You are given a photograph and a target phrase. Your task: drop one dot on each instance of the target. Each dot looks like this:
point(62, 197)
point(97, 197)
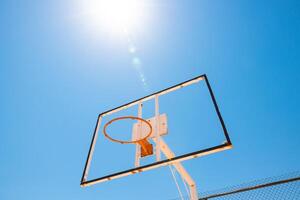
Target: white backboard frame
point(201, 152)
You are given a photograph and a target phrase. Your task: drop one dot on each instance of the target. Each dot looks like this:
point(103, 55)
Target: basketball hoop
point(146, 147)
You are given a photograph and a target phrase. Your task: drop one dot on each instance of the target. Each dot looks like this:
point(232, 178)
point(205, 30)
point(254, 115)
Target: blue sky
point(58, 73)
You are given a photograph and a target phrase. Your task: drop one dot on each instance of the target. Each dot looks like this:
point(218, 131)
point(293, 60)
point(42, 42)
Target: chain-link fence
point(284, 187)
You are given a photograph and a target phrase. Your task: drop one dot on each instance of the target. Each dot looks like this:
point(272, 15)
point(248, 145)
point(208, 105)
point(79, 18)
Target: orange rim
point(124, 141)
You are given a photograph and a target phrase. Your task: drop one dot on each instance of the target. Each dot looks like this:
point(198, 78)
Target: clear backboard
point(164, 128)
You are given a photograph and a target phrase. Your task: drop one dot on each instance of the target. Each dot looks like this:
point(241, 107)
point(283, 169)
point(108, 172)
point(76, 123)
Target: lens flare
point(118, 17)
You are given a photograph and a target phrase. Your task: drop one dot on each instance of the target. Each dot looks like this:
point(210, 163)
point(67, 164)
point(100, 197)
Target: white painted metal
point(157, 129)
point(92, 149)
point(163, 147)
point(153, 96)
point(181, 170)
point(137, 134)
point(163, 127)
point(159, 165)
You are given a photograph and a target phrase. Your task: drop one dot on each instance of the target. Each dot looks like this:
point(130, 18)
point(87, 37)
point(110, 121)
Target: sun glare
point(115, 15)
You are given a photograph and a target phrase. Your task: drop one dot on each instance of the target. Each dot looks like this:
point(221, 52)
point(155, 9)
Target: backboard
point(164, 128)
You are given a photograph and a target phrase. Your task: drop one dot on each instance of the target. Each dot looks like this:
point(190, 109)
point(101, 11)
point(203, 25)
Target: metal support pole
point(91, 150)
point(139, 131)
point(157, 128)
point(181, 170)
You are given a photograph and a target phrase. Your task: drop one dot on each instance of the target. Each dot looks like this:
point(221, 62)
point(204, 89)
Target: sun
point(115, 15)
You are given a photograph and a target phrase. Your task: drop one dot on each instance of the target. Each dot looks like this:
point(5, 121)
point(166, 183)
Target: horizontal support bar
point(151, 96)
point(181, 158)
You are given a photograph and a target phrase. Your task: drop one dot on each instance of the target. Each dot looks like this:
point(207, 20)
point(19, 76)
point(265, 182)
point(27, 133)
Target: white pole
point(181, 170)
point(92, 149)
point(157, 128)
point(139, 131)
